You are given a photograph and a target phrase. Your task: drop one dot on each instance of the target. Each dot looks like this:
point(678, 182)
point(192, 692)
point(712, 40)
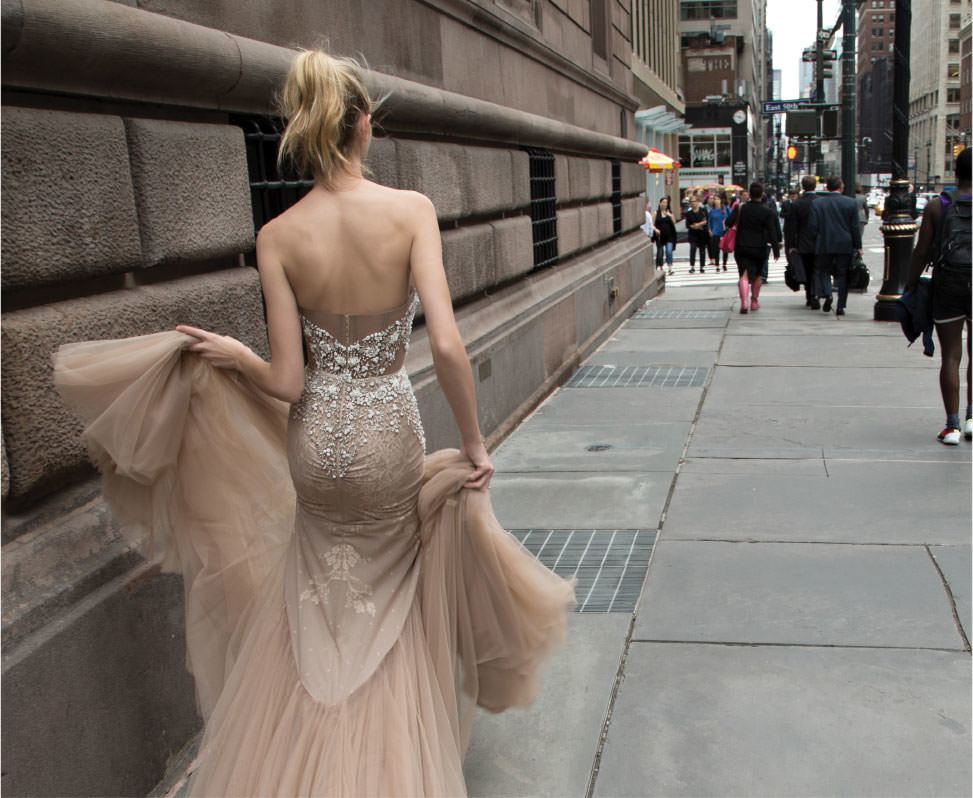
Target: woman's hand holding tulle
point(222, 351)
point(476, 453)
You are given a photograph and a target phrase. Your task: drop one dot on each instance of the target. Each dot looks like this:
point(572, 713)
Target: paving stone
point(634, 340)
point(576, 500)
point(615, 406)
point(655, 446)
point(511, 754)
point(798, 500)
point(795, 594)
point(832, 351)
point(956, 566)
point(697, 720)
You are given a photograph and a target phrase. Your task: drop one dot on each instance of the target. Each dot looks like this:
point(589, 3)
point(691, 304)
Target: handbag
point(858, 275)
point(729, 240)
point(794, 275)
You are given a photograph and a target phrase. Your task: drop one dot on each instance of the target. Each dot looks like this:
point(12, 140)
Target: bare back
point(348, 251)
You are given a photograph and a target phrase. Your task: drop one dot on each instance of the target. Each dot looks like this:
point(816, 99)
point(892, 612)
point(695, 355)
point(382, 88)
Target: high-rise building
point(934, 92)
point(876, 38)
point(724, 51)
point(657, 82)
point(966, 82)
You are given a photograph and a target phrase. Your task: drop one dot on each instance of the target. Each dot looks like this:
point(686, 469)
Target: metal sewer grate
point(694, 315)
point(609, 564)
point(638, 377)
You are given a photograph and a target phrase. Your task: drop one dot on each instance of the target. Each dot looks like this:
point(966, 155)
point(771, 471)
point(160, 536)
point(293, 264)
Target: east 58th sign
point(783, 106)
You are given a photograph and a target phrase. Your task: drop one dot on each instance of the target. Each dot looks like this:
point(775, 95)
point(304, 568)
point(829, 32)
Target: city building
point(934, 91)
point(876, 40)
point(138, 162)
point(966, 82)
point(657, 72)
point(724, 51)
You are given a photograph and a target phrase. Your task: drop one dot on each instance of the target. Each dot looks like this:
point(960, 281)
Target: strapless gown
point(348, 603)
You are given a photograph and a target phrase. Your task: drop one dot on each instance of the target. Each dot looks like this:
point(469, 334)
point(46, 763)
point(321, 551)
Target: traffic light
point(791, 152)
point(957, 149)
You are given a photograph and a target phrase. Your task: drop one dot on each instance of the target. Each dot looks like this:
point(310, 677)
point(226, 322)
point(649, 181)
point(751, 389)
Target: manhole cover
point(609, 564)
point(598, 447)
point(638, 377)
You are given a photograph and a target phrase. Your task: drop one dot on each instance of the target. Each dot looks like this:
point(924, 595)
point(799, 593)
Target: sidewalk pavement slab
point(576, 500)
point(700, 720)
point(785, 325)
point(643, 447)
point(615, 406)
point(547, 749)
point(796, 594)
point(820, 501)
point(820, 350)
point(676, 324)
point(955, 562)
point(878, 388)
point(655, 341)
point(798, 431)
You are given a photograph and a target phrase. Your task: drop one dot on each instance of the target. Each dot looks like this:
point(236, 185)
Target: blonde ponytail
point(323, 100)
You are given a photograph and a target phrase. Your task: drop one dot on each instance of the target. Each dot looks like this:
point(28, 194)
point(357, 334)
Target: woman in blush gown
point(349, 601)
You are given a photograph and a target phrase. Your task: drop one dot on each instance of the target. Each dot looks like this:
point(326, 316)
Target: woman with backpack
point(944, 244)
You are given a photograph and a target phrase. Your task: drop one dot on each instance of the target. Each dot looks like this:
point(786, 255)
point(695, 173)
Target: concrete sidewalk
point(804, 622)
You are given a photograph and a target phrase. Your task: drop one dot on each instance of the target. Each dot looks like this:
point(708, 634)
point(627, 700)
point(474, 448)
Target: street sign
point(828, 55)
point(783, 106)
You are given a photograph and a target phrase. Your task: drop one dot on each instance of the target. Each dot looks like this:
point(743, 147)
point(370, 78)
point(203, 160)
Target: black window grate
point(543, 207)
point(270, 193)
point(607, 376)
point(616, 198)
point(688, 315)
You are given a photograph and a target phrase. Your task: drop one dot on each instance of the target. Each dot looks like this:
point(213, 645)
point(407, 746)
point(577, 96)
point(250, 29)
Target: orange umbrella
point(655, 161)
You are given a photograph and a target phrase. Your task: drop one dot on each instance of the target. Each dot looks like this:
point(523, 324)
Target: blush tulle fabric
point(348, 603)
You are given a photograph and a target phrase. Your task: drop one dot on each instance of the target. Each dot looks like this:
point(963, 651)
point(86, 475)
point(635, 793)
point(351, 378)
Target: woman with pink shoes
point(756, 230)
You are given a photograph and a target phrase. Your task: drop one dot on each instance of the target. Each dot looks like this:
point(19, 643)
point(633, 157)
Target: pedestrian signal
point(957, 149)
point(791, 152)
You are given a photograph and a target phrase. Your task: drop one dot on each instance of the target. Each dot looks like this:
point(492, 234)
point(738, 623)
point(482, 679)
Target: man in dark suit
point(834, 224)
point(797, 236)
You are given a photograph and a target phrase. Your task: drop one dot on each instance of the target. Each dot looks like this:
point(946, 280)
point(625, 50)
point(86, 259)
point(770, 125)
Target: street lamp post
point(898, 219)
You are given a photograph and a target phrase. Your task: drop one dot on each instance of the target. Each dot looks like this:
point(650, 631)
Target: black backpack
point(955, 251)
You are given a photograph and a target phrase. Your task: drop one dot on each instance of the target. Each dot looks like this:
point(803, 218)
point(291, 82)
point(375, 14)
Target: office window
point(952, 95)
point(952, 71)
point(954, 45)
point(879, 45)
point(954, 21)
point(706, 9)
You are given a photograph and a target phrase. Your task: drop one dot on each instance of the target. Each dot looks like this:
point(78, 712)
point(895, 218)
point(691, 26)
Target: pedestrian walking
point(838, 238)
point(798, 237)
point(697, 226)
point(716, 217)
point(757, 228)
point(944, 244)
point(862, 201)
point(665, 226)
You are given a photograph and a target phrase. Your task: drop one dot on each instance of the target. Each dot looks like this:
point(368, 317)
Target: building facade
point(724, 48)
point(876, 40)
point(138, 163)
point(934, 92)
point(966, 82)
point(657, 70)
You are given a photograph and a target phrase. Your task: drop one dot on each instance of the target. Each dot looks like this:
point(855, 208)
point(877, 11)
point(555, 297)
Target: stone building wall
point(131, 174)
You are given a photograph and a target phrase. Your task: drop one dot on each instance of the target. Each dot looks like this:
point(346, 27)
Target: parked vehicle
point(923, 199)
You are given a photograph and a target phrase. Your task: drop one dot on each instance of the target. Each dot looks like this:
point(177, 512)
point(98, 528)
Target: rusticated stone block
point(383, 162)
point(5, 472)
point(633, 213)
point(606, 228)
point(513, 246)
point(192, 189)
point(42, 437)
point(520, 167)
point(488, 180)
point(562, 179)
point(590, 178)
point(568, 231)
point(470, 259)
point(590, 226)
point(68, 208)
point(435, 169)
point(633, 178)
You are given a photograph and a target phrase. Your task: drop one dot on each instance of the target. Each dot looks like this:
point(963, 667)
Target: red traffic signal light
point(791, 152)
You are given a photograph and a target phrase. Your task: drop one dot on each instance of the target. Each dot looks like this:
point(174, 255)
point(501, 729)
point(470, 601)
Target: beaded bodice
point(355, 386)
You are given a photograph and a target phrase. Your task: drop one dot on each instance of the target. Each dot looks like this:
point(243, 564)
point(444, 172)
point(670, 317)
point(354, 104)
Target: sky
point(793, 23)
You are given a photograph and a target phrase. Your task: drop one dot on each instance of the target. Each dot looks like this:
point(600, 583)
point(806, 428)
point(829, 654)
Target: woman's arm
point(921, 255)
point(448, 351)
point(283, 376)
